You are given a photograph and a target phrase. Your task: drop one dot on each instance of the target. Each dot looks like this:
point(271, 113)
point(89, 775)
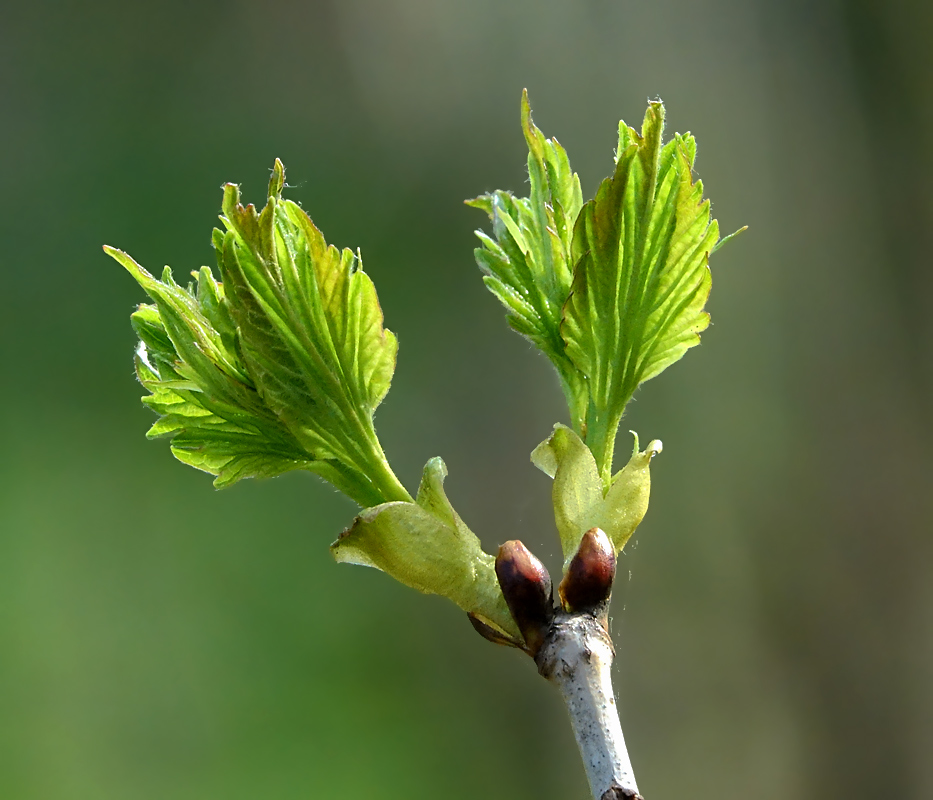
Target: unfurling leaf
point(641, 278)
point(256, 448)
point(620, 298)
point(199, 387)
point(577, 493)
point(279, 367)
point(427, 546)
point(528, 265)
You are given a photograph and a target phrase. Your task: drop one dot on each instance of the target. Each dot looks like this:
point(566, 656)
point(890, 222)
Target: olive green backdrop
point(159, 639)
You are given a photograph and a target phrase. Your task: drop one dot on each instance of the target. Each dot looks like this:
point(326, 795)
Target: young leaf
point(641, 249)
point(281, 366)
point(249, 448)
point(528, 265)
point(310, 330)
point(427, 546)
point(577, 493)
point(619, 299)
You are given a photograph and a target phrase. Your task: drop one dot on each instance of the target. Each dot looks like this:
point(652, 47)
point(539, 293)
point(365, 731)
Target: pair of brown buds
point(526, 586)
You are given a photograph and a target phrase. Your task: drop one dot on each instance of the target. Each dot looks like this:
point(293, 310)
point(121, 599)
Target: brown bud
point(587, 585)
point(526, 586)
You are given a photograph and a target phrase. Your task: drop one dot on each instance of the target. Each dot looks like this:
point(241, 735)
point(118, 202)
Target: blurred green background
point(162, 640)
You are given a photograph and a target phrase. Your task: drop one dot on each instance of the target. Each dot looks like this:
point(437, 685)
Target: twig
point(577, 656)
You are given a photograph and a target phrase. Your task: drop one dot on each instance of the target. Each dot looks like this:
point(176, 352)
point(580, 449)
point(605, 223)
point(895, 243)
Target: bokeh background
point(159, 639)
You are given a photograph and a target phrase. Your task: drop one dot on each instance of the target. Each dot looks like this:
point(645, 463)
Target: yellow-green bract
point(577, 493)
point(427, 546)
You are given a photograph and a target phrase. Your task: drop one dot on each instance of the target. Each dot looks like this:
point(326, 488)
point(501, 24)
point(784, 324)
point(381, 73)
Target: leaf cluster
point(528, 265)
point(281, 365)
point(611, 291)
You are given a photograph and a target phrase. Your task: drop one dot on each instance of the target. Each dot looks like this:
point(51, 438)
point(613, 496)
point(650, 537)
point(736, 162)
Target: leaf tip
point(532, 134)
point(277, 180)
point(231, 199)
point(728, 238)
point(343, 549)
point(544, 456)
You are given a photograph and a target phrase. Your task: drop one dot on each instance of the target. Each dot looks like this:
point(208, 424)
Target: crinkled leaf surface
point(641, 250)
point(247, 448)
point(427, 546)
point(280, 366)
point(611, 291)
point(199, 387)
point(577, 492)
point(528, 263)
point(310, 330)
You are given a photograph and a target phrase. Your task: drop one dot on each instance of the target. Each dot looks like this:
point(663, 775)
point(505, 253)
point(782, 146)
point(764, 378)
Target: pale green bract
point(625, 300)
point(427, 546)
point(580, 503)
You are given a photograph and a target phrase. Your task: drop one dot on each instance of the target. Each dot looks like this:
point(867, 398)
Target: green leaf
point(641, 280)
point(528, 265)
point(311, 331)
point(426, 546)
point(577, 493)
point(611, 291)
point(207, 404)
point(279, 367)
point(248, 448)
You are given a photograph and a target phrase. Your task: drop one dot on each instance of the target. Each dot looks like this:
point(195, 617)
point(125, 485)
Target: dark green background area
point(159, 639)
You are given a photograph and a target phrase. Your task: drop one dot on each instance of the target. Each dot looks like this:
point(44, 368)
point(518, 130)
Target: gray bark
point(577, 656)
